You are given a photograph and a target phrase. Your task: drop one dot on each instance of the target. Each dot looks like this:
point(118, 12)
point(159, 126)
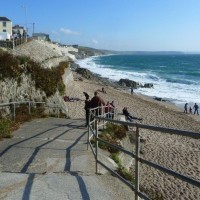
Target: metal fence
point(11, 44)
point(98, 119)
point(13, 106)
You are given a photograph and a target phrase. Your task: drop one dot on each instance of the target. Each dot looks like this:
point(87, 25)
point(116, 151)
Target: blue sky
point(137, 25)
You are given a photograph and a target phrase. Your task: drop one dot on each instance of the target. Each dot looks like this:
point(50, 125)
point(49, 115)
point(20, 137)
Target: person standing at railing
point(113, 109)
point(97, 101)
point(87, 111)
point(108, 110)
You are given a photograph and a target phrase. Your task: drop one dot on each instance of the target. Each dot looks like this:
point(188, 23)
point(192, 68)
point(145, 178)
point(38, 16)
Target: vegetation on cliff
point(48, 80)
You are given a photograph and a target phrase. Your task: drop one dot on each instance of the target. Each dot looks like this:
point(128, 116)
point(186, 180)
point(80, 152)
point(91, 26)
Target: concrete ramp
point(48, 159)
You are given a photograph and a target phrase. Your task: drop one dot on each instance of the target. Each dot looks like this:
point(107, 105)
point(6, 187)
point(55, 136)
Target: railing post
point(137, 164)
point(29, 107)
point(103, 114)
point(58, 112)
point(88, 137)
point(97, 144)
point(14, 114)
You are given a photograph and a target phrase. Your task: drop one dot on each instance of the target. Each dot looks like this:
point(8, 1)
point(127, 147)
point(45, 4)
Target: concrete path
point(48, 159)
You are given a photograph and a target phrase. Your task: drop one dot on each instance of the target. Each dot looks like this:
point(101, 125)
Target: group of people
point(97, 101)
point(195, 107)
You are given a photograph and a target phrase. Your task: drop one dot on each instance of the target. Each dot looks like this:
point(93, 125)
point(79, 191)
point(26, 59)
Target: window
point(4, 24)
point(4, 30)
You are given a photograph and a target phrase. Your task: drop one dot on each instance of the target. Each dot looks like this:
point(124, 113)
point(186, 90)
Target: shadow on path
point(37, 149)
point(27, 189)
point(68, 153)
point(12, 145)
point(82, 187)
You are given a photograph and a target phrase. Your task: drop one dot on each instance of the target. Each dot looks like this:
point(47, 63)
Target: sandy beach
point(181, 154)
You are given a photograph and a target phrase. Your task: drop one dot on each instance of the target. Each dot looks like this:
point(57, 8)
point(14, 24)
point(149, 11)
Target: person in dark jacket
point(97, 101)
point(128, 116)
point(186, 108)
point(196, 108)
point(87, 110)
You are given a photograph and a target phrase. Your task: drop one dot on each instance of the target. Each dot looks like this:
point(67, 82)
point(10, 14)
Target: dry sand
point(178, 153)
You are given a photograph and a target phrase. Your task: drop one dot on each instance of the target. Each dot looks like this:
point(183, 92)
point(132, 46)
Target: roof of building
point(4, 19)
point(18, 27)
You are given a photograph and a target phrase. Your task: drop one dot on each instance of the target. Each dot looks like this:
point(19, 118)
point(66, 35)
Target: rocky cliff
point(48, 55)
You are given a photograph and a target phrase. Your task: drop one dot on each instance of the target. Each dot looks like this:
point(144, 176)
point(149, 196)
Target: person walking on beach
point(131, 90)
point(185, 108)
point(196, 109)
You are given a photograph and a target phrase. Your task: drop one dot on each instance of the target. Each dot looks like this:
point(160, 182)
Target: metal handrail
point(136, 156)
point(14, 103)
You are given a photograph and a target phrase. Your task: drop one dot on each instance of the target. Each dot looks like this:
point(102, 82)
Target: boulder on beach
point(128, 83)
point(85, 73)
point(148, 85)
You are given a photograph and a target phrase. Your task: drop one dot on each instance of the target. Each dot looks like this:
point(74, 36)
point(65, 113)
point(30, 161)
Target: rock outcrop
point(128, 83)
point(48, 55)
point(134, 84)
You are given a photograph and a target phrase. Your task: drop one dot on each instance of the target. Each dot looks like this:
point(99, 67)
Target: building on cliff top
point(41, 36)
point(5, 28)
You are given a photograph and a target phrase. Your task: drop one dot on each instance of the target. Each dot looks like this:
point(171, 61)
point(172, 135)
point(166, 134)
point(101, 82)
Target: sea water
point(175, 77)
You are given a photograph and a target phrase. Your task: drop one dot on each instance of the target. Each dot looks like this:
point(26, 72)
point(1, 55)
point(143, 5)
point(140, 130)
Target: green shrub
point(118, 131)
point(115, 157)
point(5, 128)
point(47, 80)
point(112, 134)
point(23, 59)
point(9, 66)
point(122, 171)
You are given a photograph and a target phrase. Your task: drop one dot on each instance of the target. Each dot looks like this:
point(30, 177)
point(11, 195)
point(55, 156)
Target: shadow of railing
point(68, 152)
point(37, 149)
point(28, 187)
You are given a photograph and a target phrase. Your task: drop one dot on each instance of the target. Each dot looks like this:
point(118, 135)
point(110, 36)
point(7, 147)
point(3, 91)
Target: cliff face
point(48, 56)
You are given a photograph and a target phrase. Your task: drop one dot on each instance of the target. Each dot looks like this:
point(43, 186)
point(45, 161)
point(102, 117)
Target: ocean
point(176, 78)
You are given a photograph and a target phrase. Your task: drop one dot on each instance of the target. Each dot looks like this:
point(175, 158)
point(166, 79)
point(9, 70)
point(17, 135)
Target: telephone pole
point(26, 29)
point(33, 28)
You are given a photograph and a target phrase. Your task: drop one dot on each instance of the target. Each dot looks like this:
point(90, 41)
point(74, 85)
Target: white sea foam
point(175, 92)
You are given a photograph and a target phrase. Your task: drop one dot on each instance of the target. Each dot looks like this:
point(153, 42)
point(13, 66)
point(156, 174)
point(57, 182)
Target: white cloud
point(95, 41)
point(68, 31)
point(55, 32)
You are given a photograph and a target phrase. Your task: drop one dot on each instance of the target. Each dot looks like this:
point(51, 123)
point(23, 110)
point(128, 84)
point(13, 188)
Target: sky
point(122, 25)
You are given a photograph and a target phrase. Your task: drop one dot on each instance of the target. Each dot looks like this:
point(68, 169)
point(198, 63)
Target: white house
point(5, 25)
